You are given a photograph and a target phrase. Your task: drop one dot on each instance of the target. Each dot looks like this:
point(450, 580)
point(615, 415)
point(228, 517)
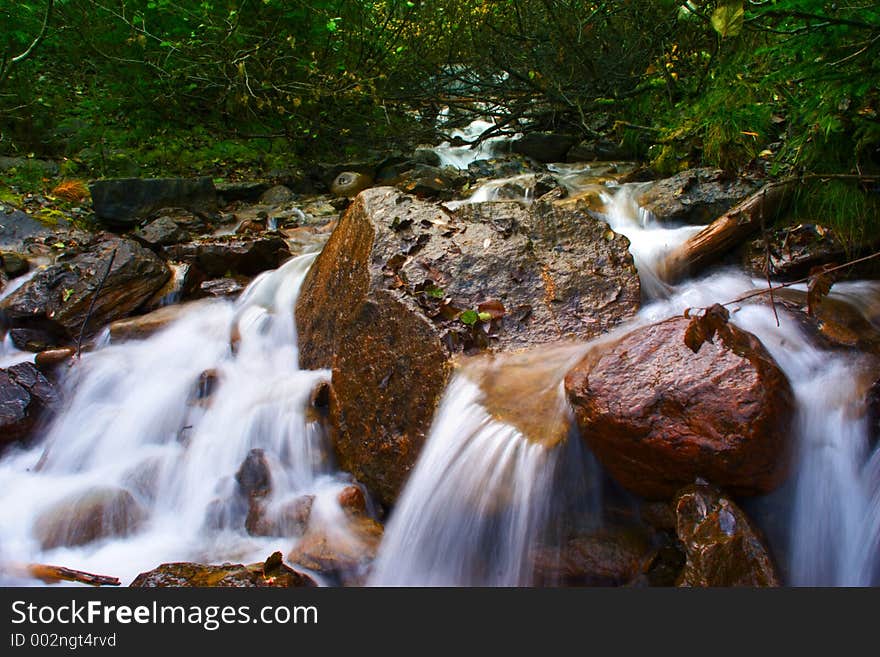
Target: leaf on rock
point(469, 317)
point(493, 308)
point(702, 328)
point(819, 287)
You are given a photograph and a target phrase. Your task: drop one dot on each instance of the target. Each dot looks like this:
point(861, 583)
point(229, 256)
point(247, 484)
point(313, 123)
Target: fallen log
point(55, 574)
point(727, 232)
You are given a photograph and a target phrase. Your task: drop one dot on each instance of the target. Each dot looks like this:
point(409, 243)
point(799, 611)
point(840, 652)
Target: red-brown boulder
point(657, 415)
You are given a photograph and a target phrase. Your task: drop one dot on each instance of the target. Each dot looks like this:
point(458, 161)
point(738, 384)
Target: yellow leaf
point(727, 19)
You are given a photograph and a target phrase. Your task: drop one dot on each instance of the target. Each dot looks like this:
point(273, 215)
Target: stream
point(134, 435)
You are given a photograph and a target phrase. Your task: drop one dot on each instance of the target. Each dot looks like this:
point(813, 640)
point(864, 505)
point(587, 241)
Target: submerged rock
point(25, 397)
point(657, 415)
point(341, 553)
point(403, 285)
point(606, 558)
point(57, 299)
point(272, 573)
point(124, 203)
point(695, 196)
point(98, 513)
point(722, 546)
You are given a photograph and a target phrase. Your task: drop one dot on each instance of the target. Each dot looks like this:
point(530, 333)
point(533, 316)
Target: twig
point(767, 258)
point(806, 279)
point(82, 329)
point(51, 574)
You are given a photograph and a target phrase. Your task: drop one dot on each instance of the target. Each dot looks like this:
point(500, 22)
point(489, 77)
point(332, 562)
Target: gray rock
point(695, 196)
point(124, 202)
point(25, 396)
point(58, 297)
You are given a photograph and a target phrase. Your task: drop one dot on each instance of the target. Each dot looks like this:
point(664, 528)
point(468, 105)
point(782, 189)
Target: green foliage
point(843, 206)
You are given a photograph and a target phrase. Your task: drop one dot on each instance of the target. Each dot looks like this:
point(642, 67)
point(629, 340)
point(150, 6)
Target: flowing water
point(157, 429)
point(140, 433)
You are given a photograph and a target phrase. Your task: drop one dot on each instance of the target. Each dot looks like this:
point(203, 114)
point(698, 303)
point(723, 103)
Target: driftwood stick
point(55, 574)
point(726, 232)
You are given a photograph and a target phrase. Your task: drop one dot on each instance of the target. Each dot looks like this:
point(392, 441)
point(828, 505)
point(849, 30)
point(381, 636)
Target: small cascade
point(474, 505)
point(154, 432)
point(459, 152)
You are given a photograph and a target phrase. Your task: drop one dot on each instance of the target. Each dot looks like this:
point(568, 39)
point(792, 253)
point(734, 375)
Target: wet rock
point(350, 183)
point(600, 149)
point(606, 558)
point(384, 305)
point(353, 501)
point(57, 299)
point(124, 203)
point(342, 554)
point(288, 519)
point(49, 359)
point(277, 195)
point(98, 513)
point(257, 225)
point(695, 196)
point(162, 231)
point(35, 340)
point(545, 147)
point(190, 221)
point(793, 252)
point(17, 226)
point(722, 546)
point(222, 287)
point(657, 415)
point(13, 264)
point(253, 476)
point(219, 256)
point(143, 326)
point(432, 182)
point(26, 396)
point(272, 573)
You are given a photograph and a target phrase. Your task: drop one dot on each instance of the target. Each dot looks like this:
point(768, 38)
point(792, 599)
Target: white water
point(481, 494)
point(462, 156)
point(131, 423)
point(473, 506)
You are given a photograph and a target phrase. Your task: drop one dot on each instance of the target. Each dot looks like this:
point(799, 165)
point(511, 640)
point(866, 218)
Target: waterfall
point(159, 428)
point(474, 504)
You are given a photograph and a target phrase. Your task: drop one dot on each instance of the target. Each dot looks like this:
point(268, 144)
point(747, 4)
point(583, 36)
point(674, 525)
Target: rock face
point(98, 513)
point(695, 196)
point(25, 395)
point(239, 254)
point(658, 415)
point(124, 203)
point(57, 298)
point(402, 285)
point(272, 573)
point(722, 547)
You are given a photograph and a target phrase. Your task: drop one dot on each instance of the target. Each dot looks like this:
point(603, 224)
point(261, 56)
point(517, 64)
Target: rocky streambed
point(171, 375)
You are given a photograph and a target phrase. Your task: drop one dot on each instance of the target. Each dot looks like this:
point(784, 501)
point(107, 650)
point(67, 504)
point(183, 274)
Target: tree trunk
point(727, 232)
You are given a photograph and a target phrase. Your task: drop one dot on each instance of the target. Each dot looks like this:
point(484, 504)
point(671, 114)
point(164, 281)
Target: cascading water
point(140, 438)
point(459, 153)
point(155, 430)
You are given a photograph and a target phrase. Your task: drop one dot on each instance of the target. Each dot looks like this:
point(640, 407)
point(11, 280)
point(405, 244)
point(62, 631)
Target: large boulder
point(272, 573)
point(25, 396)
point(125, 202)
point(402, 285)
point(657, 415)
point(695, 196)
point(57, 299)
point(240, 254)
point(721, 545)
